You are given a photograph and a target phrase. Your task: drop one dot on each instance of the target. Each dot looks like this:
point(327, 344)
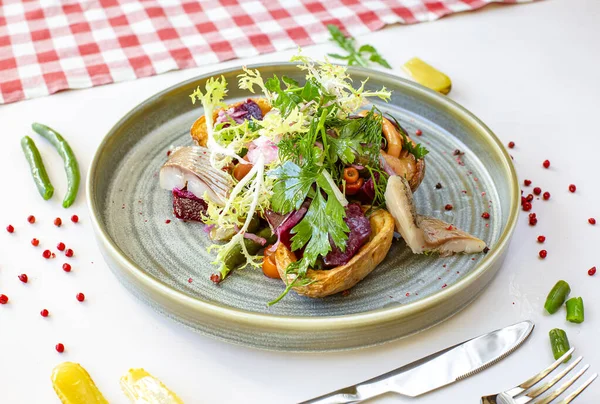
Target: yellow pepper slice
point(143, 388)
point(73, 385)
point(428, 75)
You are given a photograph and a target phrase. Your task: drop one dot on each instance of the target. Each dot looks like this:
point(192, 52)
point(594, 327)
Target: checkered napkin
point(52, 45)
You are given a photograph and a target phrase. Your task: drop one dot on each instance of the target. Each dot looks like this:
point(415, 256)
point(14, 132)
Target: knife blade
point(437, 370)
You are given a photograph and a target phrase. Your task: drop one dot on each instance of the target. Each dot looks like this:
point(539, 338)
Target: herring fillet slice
point(190, 167)
point(423, 233)
point(141, 387)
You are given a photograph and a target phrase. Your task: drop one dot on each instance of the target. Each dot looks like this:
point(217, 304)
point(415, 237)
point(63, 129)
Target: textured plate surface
point(406, 293)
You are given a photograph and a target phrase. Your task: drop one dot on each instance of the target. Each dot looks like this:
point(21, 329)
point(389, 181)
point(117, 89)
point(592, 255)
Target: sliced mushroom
point(391, 134)
point(395, 160)
point(422, 233)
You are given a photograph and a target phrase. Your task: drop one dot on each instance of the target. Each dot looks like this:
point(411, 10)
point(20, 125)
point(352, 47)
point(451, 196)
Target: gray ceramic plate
point(167, 266)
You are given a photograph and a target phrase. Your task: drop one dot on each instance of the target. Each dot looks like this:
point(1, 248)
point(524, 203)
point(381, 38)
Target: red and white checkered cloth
point(52, 45)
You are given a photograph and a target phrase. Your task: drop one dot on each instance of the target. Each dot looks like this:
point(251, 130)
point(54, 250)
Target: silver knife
point(440, 369)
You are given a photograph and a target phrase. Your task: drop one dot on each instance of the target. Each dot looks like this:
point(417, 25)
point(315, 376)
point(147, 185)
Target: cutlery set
point(461, 361)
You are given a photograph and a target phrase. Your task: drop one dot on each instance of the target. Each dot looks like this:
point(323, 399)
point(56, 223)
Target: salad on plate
point(307, 181)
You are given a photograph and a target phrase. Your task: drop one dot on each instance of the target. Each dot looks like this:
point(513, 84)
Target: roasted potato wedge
point(198, 129)
point(338, 279)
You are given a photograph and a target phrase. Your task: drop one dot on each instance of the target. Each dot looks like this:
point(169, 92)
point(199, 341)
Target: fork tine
point(539, 390)
point(562, 388)
point(577, 392)
point(530, 382)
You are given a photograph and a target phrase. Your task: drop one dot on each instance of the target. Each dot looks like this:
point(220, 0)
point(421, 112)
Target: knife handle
point(351, 394)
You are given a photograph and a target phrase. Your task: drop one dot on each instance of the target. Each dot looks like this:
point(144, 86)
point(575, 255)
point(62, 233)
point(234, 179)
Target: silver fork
point(516, 396)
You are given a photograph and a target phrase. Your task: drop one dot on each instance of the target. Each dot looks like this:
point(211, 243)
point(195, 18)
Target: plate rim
point(305, 323)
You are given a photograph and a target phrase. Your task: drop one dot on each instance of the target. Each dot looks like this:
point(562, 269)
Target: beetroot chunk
point(360, 231)
point(285, 227)
point(252, 109)
point(187, 206)
point(240, 113)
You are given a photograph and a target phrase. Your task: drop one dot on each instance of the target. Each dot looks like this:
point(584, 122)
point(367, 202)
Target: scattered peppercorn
point(3, 299)
point(485, 215)
point(31, 219)
point(527, 183)
point(167, 221)
point(80, 297)
point(532, 221)
point(418, 132)
point(457, 152)
point(23, 278)
point(537, 190)
point(46, 254)
point(543, 254)
point(572, 188)
point(75, 218)
point(69, 252)
point(58, 222)
point(546, 163)
point(592, 271)
point(591, 220)
point(216, 278)
point(485, 251)
point(10, 228)
point(44, 313)
point(527, 206)
point(60, 246)
point(35, 242)
point(546, 196)
point(541, 239)
point(511, 145)
point(529, 198)
point(60, 348)
point(448, 207)
point(438, 186)
point(66, 267)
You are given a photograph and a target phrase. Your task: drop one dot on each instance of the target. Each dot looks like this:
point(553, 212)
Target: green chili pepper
point(66, 153)
point(560, 343)
point(557, 296)
point(38, 171)
point(575, 310)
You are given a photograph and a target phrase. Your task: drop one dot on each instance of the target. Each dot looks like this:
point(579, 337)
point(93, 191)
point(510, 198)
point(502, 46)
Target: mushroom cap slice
point(395, 159)
point(423, 233)
point(343, 277)
point(198, 129)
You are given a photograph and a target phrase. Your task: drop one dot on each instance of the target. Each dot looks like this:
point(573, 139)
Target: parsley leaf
point(323, 219)
point(286, 100)
point(354, 57)
point(358, 137)
point(344, 147)
point(289, 82)
point(292, 186)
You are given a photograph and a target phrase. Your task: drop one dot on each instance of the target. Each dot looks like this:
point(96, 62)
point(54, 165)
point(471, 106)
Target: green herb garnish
point(419, 151)
point(354, 57)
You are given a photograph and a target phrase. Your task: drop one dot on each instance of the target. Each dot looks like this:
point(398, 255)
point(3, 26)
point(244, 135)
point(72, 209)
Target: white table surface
point(529, 71)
